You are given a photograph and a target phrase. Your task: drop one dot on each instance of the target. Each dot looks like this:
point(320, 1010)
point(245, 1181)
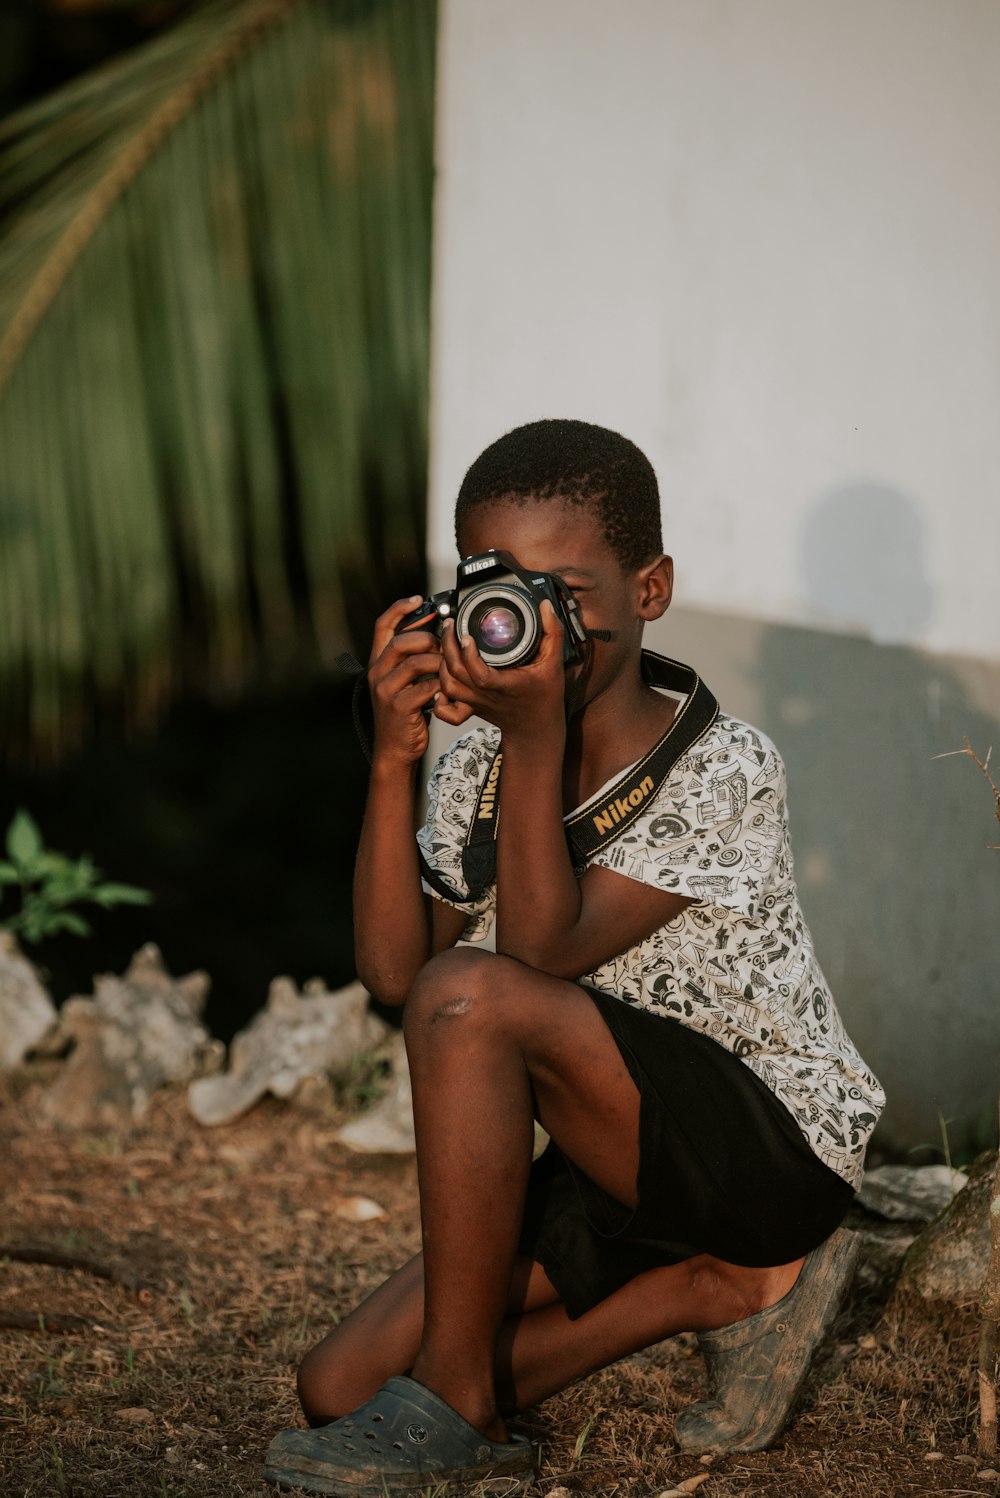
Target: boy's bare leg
point(381, 1337)
point(490, 1043)
point(539, 1349)
point(542, 1351)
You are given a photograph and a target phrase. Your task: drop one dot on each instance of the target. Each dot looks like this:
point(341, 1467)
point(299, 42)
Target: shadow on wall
point(899, 888)
point(863, 563)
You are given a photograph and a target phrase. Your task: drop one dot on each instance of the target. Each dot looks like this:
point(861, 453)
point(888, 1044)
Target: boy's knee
point(458, 989)
point(450, 986)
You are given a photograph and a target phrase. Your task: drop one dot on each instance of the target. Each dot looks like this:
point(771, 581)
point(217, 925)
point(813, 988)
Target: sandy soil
point(228, 1256)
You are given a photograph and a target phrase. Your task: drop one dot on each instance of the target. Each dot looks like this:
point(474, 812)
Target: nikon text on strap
point(602, 820)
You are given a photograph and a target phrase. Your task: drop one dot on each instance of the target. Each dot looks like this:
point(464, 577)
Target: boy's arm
point(396, 926)
point(547, 917)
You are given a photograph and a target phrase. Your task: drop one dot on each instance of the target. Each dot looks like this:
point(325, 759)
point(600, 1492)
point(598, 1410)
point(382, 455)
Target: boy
point(659, 1009)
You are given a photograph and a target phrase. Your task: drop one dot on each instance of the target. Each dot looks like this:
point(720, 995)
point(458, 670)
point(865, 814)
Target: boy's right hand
point(403, 681)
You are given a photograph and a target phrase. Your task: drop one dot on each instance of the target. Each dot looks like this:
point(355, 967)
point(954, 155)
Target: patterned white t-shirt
point(738, 964)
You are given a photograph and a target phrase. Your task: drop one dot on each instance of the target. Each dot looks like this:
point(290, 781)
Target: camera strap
point(601, 820)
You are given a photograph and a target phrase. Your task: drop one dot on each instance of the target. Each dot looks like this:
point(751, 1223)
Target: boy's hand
point(403, 680)
point(522, 701)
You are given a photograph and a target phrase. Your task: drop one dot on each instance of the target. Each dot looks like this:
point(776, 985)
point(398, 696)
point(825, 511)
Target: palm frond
point(214, 288)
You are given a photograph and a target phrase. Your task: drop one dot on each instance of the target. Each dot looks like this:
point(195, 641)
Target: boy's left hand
point(521, 701)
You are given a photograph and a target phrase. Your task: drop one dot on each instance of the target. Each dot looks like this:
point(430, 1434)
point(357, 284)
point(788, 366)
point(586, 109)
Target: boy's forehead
point(570, 529)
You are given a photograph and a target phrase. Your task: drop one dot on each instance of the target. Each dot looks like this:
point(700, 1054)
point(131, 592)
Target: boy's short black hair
point(578, 463)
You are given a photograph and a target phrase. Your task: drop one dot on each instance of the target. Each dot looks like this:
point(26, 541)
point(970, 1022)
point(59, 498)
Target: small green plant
point(581, 1439)
point(51, 1385)
point(57, 1463)
point(102, 1147)
point(365, 1081)
point(49, 883)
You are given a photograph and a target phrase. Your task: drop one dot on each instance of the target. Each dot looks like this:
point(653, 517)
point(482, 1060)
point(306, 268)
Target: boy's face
point(567, 540)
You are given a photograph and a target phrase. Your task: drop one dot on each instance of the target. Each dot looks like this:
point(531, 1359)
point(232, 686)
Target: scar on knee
point(451, 1008)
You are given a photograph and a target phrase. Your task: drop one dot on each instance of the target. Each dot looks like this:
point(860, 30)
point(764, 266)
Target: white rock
point(387, 1127)
point(135, 1035)
point(689, 1485)
point(909, 1193)
point(312, 1034)
point(26, 1011)
point(359, 1209)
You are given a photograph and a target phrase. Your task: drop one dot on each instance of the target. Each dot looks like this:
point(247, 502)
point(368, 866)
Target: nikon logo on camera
point(489, 795)
point(621, 807)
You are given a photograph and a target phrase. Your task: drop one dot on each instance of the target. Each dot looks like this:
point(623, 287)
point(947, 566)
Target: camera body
point(498, 603)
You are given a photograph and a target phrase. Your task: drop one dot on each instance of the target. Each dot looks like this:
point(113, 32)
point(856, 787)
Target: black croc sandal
point(756, 1368)
point(403, 1440)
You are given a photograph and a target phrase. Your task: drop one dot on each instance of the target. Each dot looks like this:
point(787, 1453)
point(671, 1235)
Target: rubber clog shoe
point(404, 1439)
point(756, 1368)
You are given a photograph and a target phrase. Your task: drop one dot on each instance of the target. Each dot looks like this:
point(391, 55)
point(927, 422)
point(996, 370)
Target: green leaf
point(24, 841)
point(228, 229)
point(62, 886)
point(67, 920)
point(119, 894)
point(30, 927)
point(8, 874)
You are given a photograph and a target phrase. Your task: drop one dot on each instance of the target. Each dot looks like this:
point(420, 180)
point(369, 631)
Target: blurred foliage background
point(214, 326)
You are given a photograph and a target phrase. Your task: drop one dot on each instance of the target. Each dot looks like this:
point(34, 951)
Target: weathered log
point(949, 1261)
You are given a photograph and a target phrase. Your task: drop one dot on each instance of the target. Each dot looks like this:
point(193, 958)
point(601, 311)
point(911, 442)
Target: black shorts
point(723, 1169)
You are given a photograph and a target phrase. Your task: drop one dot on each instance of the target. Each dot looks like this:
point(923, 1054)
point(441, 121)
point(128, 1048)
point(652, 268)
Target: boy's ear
point(656, 586)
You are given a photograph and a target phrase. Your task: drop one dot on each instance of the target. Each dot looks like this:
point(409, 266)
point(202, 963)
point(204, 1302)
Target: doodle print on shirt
point(738, 964)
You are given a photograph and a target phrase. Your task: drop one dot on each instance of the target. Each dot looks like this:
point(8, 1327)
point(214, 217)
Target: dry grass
point(174, 1392)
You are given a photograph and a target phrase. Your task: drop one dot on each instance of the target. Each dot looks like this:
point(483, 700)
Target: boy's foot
point(404, 1438)
point(756, 1368)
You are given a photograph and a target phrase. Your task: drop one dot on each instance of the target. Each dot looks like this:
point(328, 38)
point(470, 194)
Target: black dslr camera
point(497, 603)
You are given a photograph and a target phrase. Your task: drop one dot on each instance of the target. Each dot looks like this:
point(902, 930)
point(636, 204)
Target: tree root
point(41, 1321)
point(30, 1253)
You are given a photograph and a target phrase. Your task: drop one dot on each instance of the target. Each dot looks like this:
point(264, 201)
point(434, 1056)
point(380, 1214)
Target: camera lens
point(499, 628)
point(503, 621)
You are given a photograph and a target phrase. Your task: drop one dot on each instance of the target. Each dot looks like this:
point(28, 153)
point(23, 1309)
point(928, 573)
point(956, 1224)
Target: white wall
point(762, 238)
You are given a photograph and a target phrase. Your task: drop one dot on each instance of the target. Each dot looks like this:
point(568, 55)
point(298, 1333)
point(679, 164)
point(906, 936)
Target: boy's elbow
point(392, 998)
point(382, 986)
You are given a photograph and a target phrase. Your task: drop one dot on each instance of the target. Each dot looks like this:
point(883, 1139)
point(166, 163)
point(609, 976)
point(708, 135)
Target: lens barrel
point(503, 620)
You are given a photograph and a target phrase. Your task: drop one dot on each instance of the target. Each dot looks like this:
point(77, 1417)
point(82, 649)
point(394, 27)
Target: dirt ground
point(229, 1257)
